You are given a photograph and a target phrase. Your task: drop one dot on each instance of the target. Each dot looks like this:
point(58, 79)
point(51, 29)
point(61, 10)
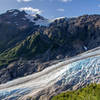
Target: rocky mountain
point(15, 26)
point(30, 43)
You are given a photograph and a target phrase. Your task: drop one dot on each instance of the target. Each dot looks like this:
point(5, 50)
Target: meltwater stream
point(82, 69)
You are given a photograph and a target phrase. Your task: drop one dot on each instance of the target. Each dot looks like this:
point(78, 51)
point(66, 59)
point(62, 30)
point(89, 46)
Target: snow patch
point(30, 18)
point(11, 10)
point(85, 48)
point(24, 19)
point(16, 23)
point(15, 13)
point(59, 18)
point(41, 22)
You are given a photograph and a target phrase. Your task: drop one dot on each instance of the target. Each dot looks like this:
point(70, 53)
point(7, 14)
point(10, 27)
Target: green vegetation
point(32, 46)
point(90, 92)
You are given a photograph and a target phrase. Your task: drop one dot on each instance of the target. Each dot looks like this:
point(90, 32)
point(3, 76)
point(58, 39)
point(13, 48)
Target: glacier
point(77, 71)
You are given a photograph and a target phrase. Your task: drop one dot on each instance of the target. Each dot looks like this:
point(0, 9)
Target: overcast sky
point(53, 8)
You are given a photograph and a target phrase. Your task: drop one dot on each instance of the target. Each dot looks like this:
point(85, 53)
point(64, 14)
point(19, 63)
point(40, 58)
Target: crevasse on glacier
point(82, 72)
point(77, 73)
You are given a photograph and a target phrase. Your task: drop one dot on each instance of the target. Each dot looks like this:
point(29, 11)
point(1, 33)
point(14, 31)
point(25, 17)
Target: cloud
point(66, 0)
point(31, 10)
point(24, 0)
point(61, 10)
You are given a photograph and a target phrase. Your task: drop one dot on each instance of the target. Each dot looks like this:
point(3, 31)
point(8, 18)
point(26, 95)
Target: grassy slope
point(90, 92)
point(30, 47)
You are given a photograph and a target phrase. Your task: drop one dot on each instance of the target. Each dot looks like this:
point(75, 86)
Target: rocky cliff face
point(33, 42)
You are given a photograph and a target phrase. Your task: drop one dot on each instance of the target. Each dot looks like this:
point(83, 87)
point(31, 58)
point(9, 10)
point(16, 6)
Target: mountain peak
point(14, 12)
point(38, 20)
point(37, 16)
